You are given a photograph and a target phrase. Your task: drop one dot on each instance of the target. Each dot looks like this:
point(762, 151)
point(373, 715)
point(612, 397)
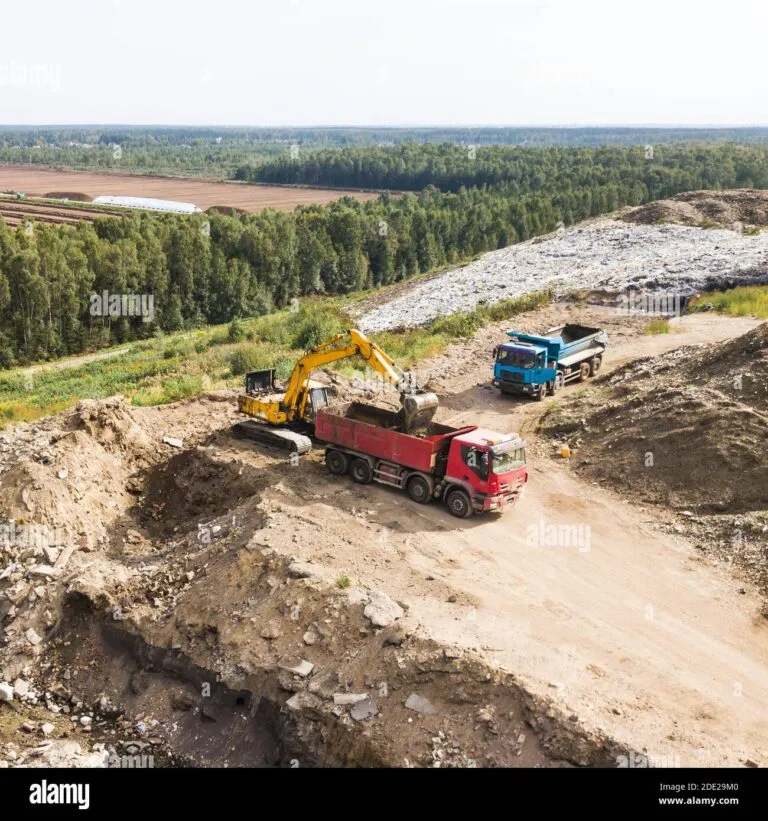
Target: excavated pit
point(203, 722)
point(192, 487)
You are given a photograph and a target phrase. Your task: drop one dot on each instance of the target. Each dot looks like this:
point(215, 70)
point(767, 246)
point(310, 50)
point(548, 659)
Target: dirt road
point(583, 597)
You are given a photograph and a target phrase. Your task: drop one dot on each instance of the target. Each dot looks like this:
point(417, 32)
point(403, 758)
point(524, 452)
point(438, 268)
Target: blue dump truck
point(539, 365)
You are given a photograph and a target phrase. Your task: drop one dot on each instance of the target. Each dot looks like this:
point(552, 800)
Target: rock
point(64, 557)
point(325, 684)
point(310, 637)
point(21, 687)
point(33, 637)
point(349, 698)
point(51, 554)
point(271, 630)
point(47, 728)
point(305, 702)
point(420, 705)
point(86, 721)
point(393, 636)
point(6, 691)
point(189, 575)
point(44, 570)
point(366, 708)
point(17, 593)
point(63, 473)
point(174, 443)
point(299, 667)
point(301, 570)
point(382, 610)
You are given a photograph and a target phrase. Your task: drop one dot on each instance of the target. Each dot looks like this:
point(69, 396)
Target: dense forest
point(660, 170)
point(200, 269)
point(220, 152)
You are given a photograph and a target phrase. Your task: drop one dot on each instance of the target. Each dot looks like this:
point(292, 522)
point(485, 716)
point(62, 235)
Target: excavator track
point(278, 438)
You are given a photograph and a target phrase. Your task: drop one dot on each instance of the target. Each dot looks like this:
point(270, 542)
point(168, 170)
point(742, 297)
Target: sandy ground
point(626, 627)
point(36, 182)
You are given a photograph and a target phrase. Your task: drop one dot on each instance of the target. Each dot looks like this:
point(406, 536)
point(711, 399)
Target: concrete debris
point(382, 610)
point(6, 691)
point(420, 705)
point(299, 667)
point(32, 636)
point(366, 708)
point(606, 255)
point(174, 443)
point(349, 698)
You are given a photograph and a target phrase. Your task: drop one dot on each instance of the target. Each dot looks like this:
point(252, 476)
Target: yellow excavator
point(284, 416)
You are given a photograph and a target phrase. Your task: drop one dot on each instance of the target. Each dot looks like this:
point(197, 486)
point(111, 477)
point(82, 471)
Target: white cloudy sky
point(324, 62)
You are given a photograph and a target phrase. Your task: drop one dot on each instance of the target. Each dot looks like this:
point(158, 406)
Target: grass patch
point(751, 300)
point(657, 326)
point(343, 581)
point(169, 368)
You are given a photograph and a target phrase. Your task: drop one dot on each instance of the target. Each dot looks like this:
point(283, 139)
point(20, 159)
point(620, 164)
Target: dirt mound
point(75, 196)
point(706, 208)
point(688, 430)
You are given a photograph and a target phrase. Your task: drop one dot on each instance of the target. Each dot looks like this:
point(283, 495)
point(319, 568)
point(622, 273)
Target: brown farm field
point(37, 182)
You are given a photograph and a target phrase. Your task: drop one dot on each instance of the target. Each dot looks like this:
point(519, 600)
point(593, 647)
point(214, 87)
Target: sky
point(385, 62)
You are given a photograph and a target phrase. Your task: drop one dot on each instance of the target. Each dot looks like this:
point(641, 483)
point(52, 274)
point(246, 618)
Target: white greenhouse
point(149, 204)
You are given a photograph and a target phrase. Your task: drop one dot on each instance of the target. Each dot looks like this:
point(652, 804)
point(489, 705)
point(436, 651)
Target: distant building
point(148, 204)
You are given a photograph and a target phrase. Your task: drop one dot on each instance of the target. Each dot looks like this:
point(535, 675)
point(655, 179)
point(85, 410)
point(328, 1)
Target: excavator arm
point(418, 406)
point(357, 344)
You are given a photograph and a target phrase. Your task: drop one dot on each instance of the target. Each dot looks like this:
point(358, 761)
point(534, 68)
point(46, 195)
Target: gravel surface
point(607, 254)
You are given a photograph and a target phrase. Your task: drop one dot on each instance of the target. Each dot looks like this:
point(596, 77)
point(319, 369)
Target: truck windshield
point(515, 359)
point(506, 460)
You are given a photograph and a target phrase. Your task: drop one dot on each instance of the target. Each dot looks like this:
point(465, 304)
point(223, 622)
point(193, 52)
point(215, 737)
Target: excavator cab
point(258, 383)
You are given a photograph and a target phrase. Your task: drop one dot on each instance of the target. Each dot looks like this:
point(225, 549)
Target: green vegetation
point(626, 176)
point(202, 270)
point(168, 368)
point(657, 326)
point(343, 581)
point(222, 152)
point(748, 301)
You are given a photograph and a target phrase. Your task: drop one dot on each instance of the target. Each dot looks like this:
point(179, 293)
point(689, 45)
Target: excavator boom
point(295, 404)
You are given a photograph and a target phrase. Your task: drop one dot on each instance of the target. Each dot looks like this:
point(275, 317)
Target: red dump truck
point(470, 469)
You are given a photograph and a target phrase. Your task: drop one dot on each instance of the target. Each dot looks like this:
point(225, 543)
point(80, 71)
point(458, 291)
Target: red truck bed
point(377, 432)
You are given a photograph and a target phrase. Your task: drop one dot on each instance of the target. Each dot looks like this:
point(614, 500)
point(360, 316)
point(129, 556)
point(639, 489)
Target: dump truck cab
point(539, 365)
point(489, 466)
point(524, 365)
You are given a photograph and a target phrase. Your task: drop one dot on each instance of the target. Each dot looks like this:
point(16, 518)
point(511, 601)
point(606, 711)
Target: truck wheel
point(596, 363)
point(336, 462)
point(459, 504)
point(361, 471)
point(418, 489)
point(555, 385)
point(584, 371)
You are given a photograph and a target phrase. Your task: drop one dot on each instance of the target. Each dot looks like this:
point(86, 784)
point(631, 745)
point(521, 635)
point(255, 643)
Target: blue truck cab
point(538, 365)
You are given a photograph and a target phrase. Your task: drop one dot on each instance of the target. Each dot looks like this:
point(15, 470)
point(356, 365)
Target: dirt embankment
point(687, 430)
point(185, 605)
point(715, 209)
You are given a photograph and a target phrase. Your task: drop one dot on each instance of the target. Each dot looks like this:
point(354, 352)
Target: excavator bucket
point(418, 409)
